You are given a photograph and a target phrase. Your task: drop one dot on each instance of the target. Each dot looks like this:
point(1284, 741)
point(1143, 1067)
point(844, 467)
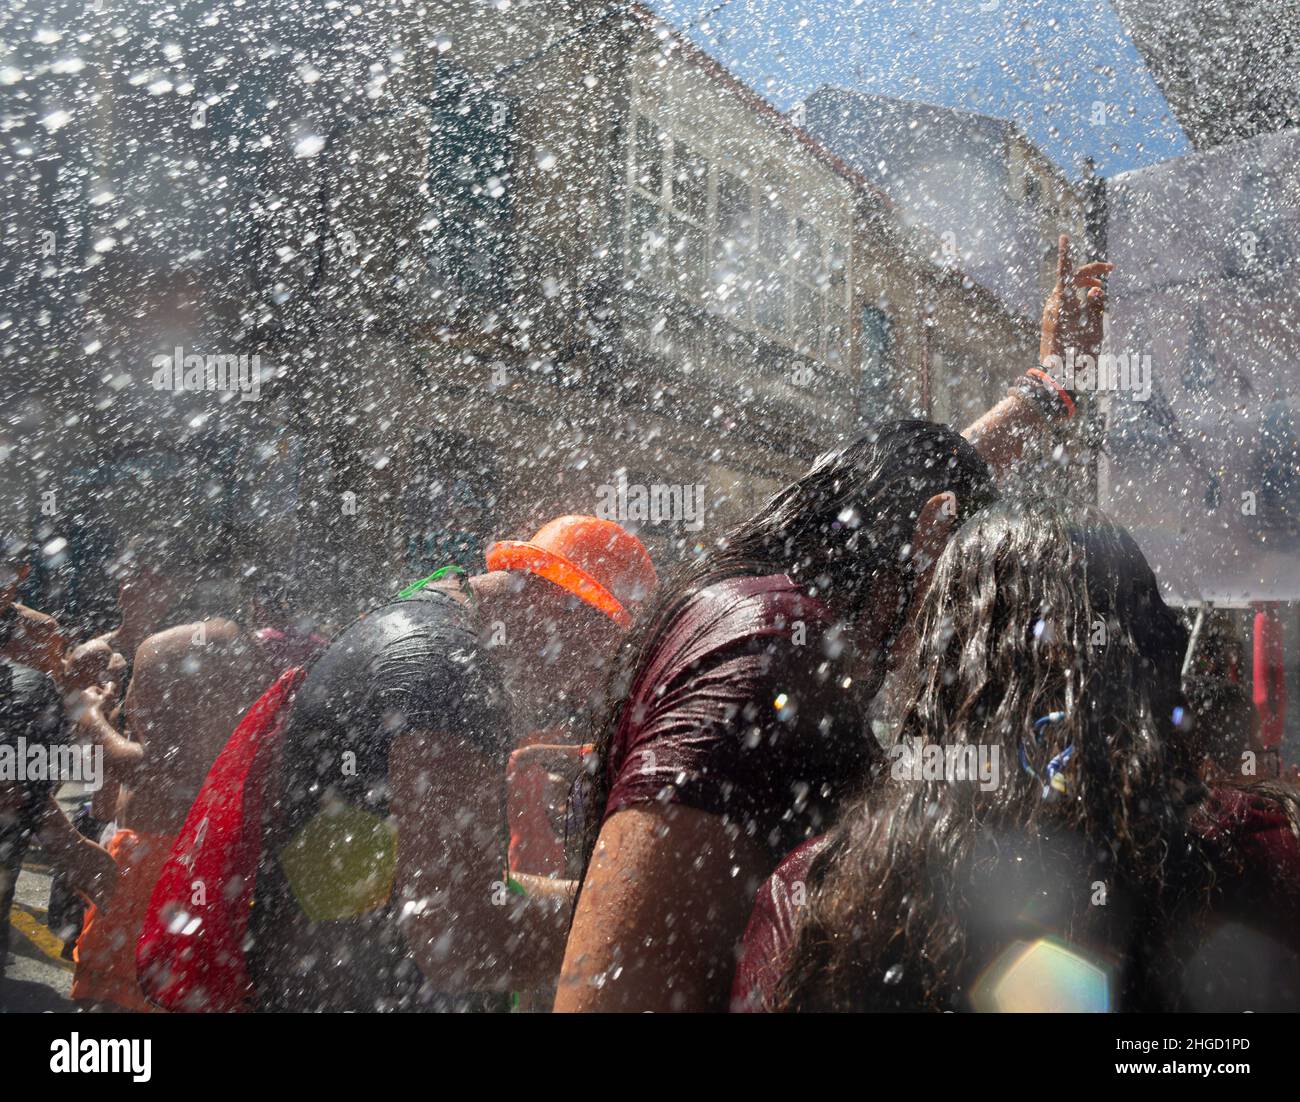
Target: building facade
point(976, 192)
point(492, 270)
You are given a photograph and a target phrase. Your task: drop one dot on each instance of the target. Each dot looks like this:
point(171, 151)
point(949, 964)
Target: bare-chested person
point(32, 721)
point(190, 686)
point(146, 596)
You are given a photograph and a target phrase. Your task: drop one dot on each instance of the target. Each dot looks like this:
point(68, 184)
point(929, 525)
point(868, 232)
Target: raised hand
point(1071, 322)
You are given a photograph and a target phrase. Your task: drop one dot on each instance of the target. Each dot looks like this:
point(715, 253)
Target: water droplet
point(309, 146)
point(56, 120)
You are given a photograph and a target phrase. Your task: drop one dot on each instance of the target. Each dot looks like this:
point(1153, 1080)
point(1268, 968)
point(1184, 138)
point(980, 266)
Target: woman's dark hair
point(839, 530)
point(1042, 609)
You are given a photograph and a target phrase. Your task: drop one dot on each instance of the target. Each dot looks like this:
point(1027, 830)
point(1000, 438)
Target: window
point(447, 504)
point(644, 239)
point(668, 234)
point(836, 280)
point(687, 246)
point(771, 228)
point(1250, 249)
point(807, 250)
point(733, 241)
point(838, 274)
point(716, 237)
point(471, 155)
point(735, 225)
point(771, 289)
point(690, 182)
point(836, 332)
point(769, 301)
point(806, 318)
point(1033, 189)
point(809, 272)
point(876, 368)
point(649, 156)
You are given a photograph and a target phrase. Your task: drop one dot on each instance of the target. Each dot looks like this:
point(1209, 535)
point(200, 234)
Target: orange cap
point(595, 560)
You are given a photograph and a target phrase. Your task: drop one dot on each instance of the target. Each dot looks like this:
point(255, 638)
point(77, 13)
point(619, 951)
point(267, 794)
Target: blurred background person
point(190, 686)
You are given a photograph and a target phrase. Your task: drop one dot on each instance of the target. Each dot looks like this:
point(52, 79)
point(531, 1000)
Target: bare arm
point(86, 677)
point(467, 928)
point(122, 757)
point(661, 913)
point(1002, 434)
point(37, 641)
point(560, 891)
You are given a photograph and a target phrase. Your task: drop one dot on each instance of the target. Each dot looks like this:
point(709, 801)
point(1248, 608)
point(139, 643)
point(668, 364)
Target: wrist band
point(459, 572)
point(1049, 395)
point(1061, 392)
point(1045, 402)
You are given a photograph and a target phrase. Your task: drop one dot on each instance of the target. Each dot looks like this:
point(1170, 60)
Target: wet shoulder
point(755, 615)
point(1249, 832)
point(401, 642)
point(738, 609)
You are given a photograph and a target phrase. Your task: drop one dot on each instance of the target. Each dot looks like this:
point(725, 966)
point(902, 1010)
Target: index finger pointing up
point(1064, 263)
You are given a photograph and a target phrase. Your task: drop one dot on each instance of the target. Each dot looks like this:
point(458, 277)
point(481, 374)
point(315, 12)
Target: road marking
point(35, 931)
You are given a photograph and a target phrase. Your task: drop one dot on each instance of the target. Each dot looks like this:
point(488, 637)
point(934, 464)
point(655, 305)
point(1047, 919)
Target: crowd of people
point(566, 782)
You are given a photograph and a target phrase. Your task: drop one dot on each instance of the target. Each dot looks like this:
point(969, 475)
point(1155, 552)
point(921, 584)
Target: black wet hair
point(839, 530)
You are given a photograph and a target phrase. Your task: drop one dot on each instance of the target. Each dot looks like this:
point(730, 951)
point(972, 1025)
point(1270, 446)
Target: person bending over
point(383, 883)
point(738, 725)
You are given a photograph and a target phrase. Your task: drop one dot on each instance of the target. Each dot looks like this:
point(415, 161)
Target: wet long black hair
point(839, 531)
point(1047, 608)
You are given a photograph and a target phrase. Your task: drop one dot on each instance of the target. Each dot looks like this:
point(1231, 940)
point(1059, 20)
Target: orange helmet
point(596, 560)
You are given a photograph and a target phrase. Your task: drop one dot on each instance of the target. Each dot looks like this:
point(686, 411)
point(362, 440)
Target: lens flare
point(1045, 976)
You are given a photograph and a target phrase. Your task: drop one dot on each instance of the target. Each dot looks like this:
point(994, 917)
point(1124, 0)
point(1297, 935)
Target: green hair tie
point(442, 571)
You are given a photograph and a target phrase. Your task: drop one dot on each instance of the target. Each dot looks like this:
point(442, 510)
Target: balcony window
point(875, 342)
point(690, 182)
point(649, 156)
point(471, 155)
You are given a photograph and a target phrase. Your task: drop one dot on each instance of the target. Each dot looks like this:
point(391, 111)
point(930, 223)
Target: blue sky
point(1045, 64)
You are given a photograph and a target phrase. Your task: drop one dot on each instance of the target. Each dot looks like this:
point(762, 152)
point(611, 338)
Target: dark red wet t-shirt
point(1257, 860)
point(746, 710)
point(770, 935)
